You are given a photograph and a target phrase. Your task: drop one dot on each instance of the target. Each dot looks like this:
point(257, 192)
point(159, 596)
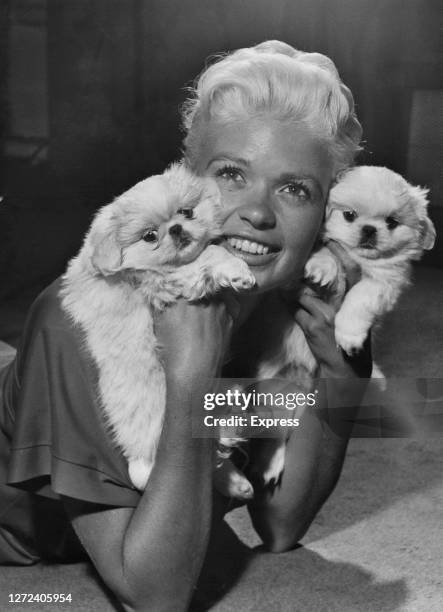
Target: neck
point(248, 303)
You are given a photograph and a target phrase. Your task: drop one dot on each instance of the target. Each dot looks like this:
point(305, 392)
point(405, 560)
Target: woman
point(273, 126)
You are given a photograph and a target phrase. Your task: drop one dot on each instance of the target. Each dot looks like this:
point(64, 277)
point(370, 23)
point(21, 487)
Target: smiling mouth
point(250, 247)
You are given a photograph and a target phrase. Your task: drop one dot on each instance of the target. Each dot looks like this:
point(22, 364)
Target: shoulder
point(48, 323)
point(52, 347)
point(46, 311)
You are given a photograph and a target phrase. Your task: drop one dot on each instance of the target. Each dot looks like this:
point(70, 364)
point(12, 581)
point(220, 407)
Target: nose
point(257, 210)
point(176, 230)
point(368, 231)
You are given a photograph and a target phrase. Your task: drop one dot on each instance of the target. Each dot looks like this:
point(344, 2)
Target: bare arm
point(151, 556)
point(314, 457)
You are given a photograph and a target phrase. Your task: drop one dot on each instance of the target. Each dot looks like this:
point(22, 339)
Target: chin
point(270, 278)
point(365, 253)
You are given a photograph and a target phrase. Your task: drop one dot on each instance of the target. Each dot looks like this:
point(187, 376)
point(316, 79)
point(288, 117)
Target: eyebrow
point(227, 157)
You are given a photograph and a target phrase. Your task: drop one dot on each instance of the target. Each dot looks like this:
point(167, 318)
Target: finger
point(352, 270)
point(303, 318)
point(317, 308)
point(321, 333)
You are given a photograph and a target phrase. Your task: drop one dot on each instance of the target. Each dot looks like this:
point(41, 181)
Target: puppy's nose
point(176, 230)
point(368, 231)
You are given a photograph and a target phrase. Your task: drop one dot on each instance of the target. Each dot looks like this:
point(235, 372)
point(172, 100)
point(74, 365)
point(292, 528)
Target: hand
point(193, 338)
point(343, 378)
point(316, 318)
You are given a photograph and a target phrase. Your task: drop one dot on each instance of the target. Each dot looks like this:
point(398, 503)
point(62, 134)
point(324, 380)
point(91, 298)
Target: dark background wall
point(90, 93)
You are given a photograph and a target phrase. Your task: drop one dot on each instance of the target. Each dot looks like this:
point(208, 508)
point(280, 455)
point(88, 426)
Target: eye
point(392, 223)
point(188, 213)
point(151, 235)
point(230, 173)
point(299, 190)
point(349, 215)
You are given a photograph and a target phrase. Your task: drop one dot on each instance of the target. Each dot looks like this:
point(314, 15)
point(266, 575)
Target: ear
point(106, 254)
point(328, 210)
point(419, 196)
point(330, 203)
point(427, 233)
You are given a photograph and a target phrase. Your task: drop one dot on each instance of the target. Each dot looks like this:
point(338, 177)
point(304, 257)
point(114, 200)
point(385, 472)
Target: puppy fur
point(143, 251)
point(380, 222)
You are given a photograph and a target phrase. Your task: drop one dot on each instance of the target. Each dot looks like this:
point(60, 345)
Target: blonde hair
point(275, 79)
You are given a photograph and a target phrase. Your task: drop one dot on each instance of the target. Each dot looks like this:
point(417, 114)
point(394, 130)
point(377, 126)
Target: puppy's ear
point(328, 212)
point(427, 233)
point(106, 254)
point(419, 197)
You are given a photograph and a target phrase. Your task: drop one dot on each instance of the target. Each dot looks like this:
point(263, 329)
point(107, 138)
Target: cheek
point(399, 237)
point(230, 201)
point(141, 255)
point(199, 230)
point(339, 229)
point(299, 238)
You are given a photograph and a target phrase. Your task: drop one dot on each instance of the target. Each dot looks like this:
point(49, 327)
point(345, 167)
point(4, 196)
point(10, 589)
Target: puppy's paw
point(321, 268)
point(229, 481)
point(243, 283)
point(234, 273)
point(269, 464)
point(350, 334)
point(139, 471)
point(204, 285)
point(273, 473)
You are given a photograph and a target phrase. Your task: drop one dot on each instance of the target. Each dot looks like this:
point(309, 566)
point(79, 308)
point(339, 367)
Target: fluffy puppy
point(143, 251)
point(380, 222)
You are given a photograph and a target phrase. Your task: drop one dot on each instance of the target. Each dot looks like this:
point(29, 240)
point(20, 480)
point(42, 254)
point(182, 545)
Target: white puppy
point(380, 222)
point(143, 251)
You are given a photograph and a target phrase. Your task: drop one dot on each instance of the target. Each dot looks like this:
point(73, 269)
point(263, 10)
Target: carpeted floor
point(377, 543)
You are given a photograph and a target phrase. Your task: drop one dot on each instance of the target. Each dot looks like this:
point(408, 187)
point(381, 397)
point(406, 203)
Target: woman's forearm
point(313, 462)
point(282, 516)
point(166, 538)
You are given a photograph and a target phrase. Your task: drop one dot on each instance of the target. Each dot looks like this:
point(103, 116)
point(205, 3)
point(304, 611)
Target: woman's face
point(274, 180)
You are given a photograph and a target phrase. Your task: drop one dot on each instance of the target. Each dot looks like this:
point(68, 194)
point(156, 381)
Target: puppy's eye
point(391, 223)
point(151, 235)
point(188, 213)
point(349, 215)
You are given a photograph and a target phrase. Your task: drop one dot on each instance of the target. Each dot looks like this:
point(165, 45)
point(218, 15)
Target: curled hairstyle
point(275, 80)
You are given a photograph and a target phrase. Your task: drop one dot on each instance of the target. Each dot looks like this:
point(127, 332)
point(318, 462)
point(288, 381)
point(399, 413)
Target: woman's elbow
point(283, 539)
point(156, 601)
point(279, 536)
point(145, 597)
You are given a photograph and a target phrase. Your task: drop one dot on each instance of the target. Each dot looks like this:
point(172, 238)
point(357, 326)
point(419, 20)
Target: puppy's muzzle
point(180, 237)
point(368, 238)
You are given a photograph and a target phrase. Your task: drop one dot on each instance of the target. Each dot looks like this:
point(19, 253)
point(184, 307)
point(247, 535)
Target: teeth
point(247, 246)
